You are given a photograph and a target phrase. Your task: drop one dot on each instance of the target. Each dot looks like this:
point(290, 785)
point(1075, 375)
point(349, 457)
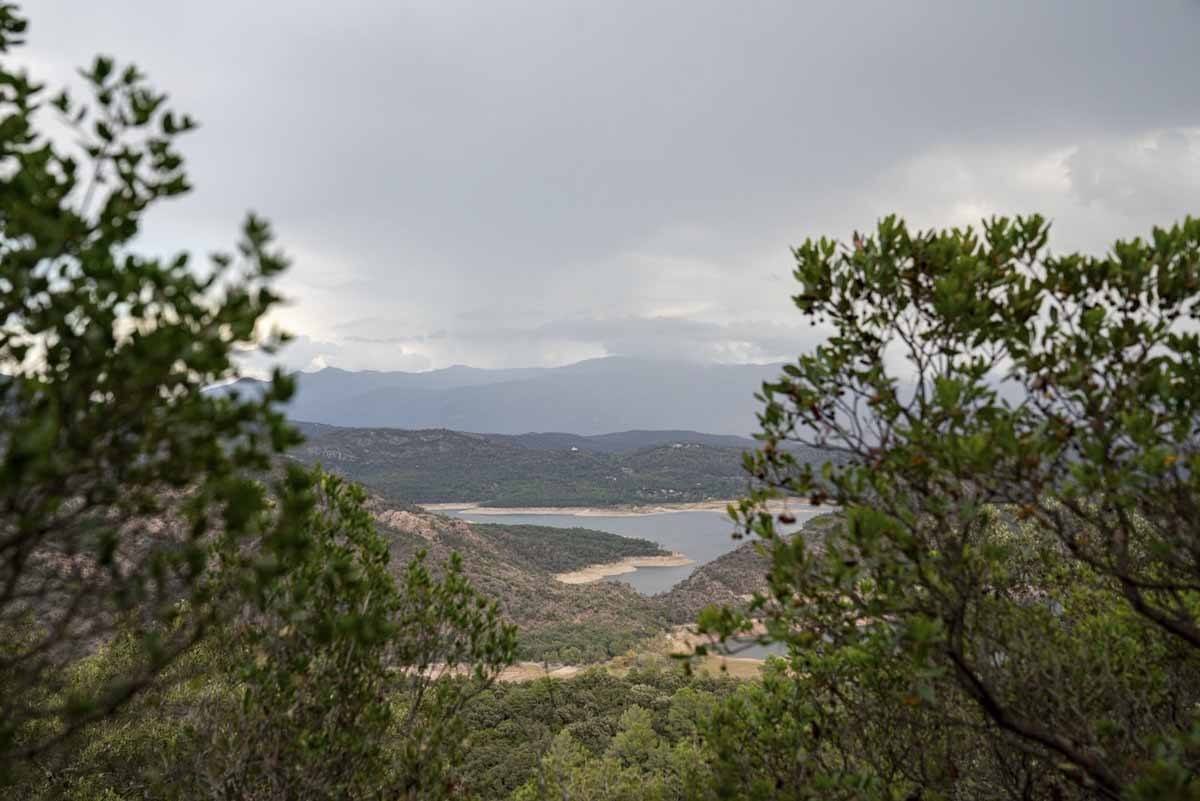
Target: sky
point(508, 184)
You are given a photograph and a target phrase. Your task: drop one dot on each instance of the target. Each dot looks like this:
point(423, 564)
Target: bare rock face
point(430, 527)
point(408, 522)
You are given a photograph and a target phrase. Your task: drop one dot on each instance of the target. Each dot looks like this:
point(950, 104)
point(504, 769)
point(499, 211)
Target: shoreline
point(594, 573)
point(626, 510)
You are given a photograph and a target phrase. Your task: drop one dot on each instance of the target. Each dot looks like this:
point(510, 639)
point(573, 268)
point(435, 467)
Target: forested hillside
point(442, 466)
point(516, 565)
point(437, 465)
point(730, 579)
point(560, 550)
point(597, 727)
point(622, 441)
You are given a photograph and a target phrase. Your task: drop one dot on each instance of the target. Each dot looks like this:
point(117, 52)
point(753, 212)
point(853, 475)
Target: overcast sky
point(513, 184)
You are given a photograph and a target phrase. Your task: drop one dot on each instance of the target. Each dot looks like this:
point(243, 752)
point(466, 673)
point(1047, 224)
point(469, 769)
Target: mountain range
point(591, 397)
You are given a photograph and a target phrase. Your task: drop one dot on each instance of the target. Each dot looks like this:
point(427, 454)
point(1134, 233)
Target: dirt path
point(530, 671)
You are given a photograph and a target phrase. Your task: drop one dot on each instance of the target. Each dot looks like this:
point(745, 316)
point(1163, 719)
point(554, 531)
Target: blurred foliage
point(1009, 604)
point(180, 616)
point(346, 684)
point(123, 485)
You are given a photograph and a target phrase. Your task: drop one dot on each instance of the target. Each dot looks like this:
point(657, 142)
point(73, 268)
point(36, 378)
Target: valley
point(681, 562)
point(697, 537)
point(595, 545)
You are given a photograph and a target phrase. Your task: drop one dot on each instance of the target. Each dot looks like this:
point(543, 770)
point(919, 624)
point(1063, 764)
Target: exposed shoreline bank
point(627, 510)
point(593, 573)
point(796, 505)
point(579, 511)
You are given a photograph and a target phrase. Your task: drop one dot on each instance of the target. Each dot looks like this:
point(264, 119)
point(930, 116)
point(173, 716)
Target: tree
point(569, 771)
point(689, 709)
point(635, 762)
point(636, 744)
point(123, 484)
point(344, 683)
point(351, 682)
point(1018, 558)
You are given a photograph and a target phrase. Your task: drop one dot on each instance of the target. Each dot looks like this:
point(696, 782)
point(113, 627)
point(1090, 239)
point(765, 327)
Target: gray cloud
point(306, 353)
point(1158, 174)
point(681, 338)
point(377, 340)
point(645, 337)
point(382, 331)
point(566, 176)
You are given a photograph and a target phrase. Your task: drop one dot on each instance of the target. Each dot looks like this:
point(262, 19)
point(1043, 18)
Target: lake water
point(753, 650)
point(701, 536)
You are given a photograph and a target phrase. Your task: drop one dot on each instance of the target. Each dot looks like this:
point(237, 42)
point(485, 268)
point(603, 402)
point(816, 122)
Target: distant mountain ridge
point(438, 465)
point(624, 468)
point(623, 441)
point(592, 397)
point(616, 442)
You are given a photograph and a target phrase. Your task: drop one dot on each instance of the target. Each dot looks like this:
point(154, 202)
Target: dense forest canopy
point(558, 550)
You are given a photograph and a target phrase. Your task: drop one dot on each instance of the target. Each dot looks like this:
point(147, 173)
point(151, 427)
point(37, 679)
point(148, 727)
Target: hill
point(590, 397)
point(515, 566)
point(442, 466)
point(623, 441)
point(729, 579)
point(432, 466)
point(560, 550)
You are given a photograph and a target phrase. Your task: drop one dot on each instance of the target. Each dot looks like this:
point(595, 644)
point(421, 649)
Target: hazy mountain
point(591, 397)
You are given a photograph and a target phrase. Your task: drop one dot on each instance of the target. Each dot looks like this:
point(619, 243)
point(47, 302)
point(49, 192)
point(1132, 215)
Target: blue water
point(701, 536)
point(753, 650)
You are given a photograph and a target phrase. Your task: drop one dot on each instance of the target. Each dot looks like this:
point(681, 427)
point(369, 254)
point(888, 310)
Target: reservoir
point(700, 535)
